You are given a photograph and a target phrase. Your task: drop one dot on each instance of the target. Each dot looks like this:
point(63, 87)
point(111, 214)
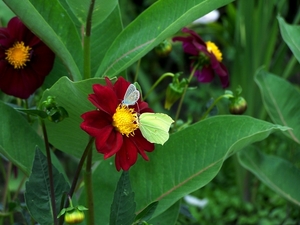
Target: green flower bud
point(74, 217)
point(174, 90)
point(172, 95)
point(55, 112)
point(163, 49)
point(237, 106)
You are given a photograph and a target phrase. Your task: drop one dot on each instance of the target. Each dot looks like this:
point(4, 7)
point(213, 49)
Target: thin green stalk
point(19, 187)
point(183, 94)
point(87, 58)
point(5, 191)
point(51, 182)
point(77, 173)
point(89, 188)
point(290, 66)
point(27, 107)
point(87, 42)
point(214, 103)
point(137, 70)
point(157, 82)
point(79, 167)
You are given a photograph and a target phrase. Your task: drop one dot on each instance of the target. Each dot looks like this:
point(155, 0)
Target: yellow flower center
point(125, 120)
point(18, 55)
point(212, 48)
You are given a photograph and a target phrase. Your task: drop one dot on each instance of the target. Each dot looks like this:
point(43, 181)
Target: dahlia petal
point(205, 75)
point(220, 69)
point(224, 79)
point(201, 48)
point(120, 88)
point(106, 142)
point(113, 144)
point(42, 60)
point(94, 122)
point(142, 144)
point(17, 29)
point(127, 155)
point(104, 98)
point(190, 48)
point(20, 82)
point(194, 35)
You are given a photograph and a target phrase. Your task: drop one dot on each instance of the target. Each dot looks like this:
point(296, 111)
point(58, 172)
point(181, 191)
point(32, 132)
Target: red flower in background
point(207, 58)
point(115, 125)
point(25, 60)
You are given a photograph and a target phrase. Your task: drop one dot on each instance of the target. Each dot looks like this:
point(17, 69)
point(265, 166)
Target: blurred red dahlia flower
point(206, 56)
point(115, 125)
point(25, 60)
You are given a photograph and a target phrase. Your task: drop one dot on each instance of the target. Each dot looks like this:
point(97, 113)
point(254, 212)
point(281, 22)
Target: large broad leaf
point(37, 194)
point(180, 167)
point(102, 37)
point(158, 22)
point(67, 135)
point(290, 34)
point(50, 21)
point(123, 206)
point(17, 139)
point(279, 174)
point(102, 9)
point(281, 101)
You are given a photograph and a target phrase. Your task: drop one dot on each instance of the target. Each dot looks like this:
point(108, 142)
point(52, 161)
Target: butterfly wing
point(131, 96)
point(155, 127)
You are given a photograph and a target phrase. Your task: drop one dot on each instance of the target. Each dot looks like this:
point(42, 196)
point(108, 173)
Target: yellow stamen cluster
point(212, 48)
point(125, 120)
point(18, 55)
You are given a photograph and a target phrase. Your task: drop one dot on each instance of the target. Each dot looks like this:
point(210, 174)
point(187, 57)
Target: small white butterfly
point(131, 96)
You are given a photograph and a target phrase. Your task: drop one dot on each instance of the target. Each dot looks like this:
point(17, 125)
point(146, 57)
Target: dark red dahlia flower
point(25, 60)
point(207, 58)
point(115, 125)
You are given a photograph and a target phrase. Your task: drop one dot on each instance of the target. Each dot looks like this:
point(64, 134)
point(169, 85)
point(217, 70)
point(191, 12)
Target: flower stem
point(214, 103)
point(157, 82)
point(137, 70)
point(51, 182)
point(79, 167)
point(5, 191)
point(87, 42)
point(27, 107)
point(89, 187)
point(76, 176)
point(183, 94)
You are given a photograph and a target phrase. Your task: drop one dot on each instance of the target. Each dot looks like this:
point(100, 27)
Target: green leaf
point(158, 22)
point(123, 206)
point(67, 135)
point(102, 9)
point(280, 175)
point(281, 100)
point(5, 14)
point(45, 20)
point(37, 193)
point(34, 112)
point(290, 34)
point(147, 213)
point(167, 217)
point(17, 138)
point(102, 37)
point(180, 167)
